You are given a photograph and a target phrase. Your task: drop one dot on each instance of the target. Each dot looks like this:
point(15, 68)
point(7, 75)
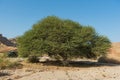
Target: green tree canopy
point(62, 39)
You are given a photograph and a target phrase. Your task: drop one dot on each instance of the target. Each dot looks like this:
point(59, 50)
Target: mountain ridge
point(6, 45)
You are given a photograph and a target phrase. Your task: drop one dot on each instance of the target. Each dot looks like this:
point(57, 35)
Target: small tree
point(62, 39)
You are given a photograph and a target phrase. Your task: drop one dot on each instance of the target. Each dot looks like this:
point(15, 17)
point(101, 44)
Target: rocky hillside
point(6, 45)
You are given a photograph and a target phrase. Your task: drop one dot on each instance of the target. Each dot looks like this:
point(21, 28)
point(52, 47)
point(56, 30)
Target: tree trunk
point(65, 62)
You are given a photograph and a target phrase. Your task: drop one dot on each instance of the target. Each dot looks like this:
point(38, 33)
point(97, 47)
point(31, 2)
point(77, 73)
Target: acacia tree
point(62, 39)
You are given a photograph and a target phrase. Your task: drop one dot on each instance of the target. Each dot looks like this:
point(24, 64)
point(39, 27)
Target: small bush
point(14, 65)
point(12, 54)
point(3, 63)
point(33, 59)
point(102, 60)
point(7, 64)
point(108, 60)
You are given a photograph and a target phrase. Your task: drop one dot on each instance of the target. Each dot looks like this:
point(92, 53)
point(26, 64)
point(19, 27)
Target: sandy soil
point(115, 51)
point(64, 73)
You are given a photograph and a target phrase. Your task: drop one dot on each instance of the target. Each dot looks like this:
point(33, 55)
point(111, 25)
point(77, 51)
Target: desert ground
point(43, 72)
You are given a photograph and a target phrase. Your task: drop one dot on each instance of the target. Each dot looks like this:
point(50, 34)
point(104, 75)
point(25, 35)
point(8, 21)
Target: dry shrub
point(7, 64)
point(3, 63)
point(108, 60)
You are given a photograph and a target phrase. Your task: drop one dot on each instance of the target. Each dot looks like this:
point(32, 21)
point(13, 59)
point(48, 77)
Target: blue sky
point(18, 16)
